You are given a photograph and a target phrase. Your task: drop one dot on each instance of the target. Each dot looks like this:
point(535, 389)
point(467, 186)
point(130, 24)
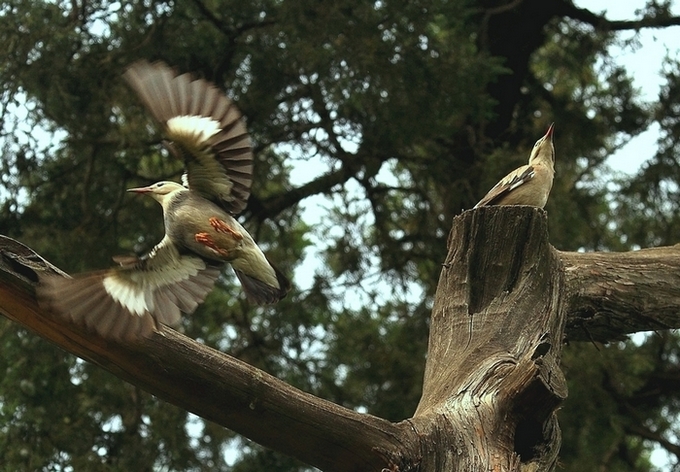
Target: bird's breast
point(204, 228)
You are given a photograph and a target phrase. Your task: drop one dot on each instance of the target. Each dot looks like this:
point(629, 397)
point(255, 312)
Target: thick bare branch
point(614, 294)
point(212, 384)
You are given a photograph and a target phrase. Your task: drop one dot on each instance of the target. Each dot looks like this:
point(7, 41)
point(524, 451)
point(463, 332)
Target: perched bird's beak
point(549, 133)
point(140, 190)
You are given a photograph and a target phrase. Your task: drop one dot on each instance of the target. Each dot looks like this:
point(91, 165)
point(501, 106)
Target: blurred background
point(374, 124)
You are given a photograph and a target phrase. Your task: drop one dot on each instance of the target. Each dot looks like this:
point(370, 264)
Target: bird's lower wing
point(127, 302)
point(506, 185)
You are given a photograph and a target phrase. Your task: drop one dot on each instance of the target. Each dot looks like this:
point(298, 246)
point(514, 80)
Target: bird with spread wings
point(204, 129)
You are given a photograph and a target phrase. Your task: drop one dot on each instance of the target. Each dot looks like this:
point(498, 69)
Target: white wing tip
point(130, 297)
point(201, 128)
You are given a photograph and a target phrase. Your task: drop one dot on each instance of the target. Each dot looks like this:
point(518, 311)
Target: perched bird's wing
point(205, 128)
point(127, 302)
point(507, 184)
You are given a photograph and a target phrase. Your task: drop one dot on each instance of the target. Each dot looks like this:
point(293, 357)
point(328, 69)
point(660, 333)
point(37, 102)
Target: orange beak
point(140, 190)
point(550, 130)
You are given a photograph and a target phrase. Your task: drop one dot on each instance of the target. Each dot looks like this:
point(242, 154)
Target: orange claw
point(206, 240)
point(222, 227)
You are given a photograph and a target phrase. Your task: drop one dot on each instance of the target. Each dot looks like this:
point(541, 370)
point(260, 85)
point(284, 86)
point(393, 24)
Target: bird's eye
point(160, 184)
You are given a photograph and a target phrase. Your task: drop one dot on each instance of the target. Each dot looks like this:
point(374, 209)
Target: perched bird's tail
point(262, 293)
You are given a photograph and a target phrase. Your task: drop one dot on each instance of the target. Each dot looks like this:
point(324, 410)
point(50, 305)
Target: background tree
point(402, 114)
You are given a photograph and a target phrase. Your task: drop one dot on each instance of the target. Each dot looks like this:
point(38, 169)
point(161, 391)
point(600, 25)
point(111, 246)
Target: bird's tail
point(261, 293)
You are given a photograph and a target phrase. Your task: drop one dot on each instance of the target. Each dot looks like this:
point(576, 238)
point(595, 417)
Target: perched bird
point(205, 129)
point(529, 184)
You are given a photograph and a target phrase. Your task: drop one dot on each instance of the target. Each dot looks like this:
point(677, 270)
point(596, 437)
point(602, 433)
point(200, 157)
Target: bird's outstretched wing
point(507, 184)
point(205, 129)
point(127, 302)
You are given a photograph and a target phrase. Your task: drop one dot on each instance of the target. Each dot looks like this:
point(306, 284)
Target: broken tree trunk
point(492, 378)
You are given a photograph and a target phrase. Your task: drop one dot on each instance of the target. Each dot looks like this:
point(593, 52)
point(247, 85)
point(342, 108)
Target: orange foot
point(206, 240)
point(223, 227)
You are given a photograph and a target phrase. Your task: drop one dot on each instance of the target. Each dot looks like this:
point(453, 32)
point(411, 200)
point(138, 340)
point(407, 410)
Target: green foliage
point(388, 104)
point(620, 398)
point(651, 196)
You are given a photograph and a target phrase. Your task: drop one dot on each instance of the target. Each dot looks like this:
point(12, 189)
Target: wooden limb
point(614, 294)
point(211, 384)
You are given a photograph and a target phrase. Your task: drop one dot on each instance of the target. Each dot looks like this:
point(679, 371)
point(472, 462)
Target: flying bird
point(204, 129)
point(529, 184)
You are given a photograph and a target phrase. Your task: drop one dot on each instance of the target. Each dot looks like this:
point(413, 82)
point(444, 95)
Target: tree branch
point(223, 27)
point(614, 294)
point(599, 22)
point(210, 383)
point(272, 206)
point(495, 346)
point(646, 433)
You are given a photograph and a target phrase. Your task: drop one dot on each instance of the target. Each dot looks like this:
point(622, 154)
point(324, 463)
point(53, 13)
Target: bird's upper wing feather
point(206, 128)
point(507, 184)
point(128, 301)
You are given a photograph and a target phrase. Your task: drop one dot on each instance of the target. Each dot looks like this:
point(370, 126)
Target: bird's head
point(544, 151)
point(160, 191)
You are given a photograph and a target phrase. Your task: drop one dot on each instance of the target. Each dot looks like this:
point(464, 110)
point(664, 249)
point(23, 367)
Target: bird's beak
point(140, 190)
point(549, 133)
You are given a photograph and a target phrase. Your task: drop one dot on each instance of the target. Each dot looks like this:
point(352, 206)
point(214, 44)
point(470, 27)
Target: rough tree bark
point(492, 378)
